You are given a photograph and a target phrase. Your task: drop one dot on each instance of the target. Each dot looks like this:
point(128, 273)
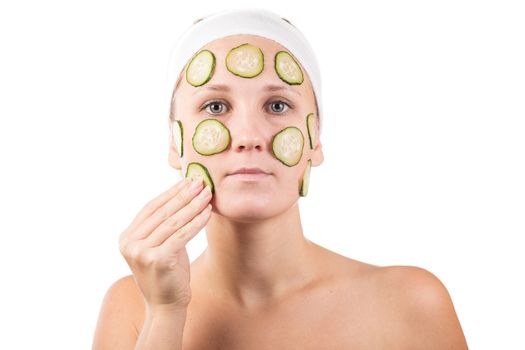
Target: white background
point(424, 107)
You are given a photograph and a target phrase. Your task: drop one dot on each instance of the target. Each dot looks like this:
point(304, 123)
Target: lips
point(249, 171)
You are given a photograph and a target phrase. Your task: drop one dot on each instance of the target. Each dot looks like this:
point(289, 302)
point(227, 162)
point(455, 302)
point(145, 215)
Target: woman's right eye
point(215, 107)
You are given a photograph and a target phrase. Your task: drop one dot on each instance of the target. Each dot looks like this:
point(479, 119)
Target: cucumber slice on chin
point(245, 61)
point(201, 68)
point(305, 181)
point(287, 145)
point(210, 137)
point(288, 69)
point(177, 132)
point(196, 170)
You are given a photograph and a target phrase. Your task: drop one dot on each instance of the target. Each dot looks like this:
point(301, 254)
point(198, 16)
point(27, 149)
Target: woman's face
point(253, 110)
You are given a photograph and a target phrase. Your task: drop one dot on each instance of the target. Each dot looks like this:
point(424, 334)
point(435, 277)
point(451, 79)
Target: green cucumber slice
point(288, 69)
point(305, 181)
point(312, 130)
point(287, 145)
point(210, 137)
point(178, 136)
point(245, 61)
point(201, 68)
point(198, 171)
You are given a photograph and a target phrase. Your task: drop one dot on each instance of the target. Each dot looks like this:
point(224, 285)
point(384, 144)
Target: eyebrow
point(226, 88)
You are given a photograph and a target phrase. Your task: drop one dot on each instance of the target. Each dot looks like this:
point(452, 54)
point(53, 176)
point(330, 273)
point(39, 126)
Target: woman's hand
point(154, 245)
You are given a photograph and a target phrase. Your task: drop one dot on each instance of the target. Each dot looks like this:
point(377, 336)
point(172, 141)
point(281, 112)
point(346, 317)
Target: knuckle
point(172, 221)
point(147, 258)
point(180, 197)
point(161, 213)
point(134, 252)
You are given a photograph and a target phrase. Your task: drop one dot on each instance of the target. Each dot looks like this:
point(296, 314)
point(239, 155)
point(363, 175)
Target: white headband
point(253, 21)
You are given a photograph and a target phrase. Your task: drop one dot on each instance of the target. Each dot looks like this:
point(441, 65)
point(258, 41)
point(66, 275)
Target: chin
point(246, 208)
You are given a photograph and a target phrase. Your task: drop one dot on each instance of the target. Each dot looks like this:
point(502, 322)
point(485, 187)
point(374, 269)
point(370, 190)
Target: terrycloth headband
point(253, 21)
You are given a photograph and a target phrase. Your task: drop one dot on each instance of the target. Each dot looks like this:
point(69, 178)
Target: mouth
point(249, 174)
point(255, 171)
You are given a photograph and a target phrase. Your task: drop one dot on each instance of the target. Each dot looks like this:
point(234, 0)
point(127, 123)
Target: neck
point(258, 262)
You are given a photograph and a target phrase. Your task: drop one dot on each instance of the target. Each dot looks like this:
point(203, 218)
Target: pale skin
point(260, 284)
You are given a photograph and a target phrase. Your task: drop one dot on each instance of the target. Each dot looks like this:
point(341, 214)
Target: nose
point(245, 132)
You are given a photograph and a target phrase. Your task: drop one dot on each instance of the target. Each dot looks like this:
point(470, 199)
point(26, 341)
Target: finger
point(179, 239)
point(179, 218)
point(179, 200)
point(155, 203)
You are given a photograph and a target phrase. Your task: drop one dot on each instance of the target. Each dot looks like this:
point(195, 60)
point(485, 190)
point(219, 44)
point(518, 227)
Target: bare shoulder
point(125, 301)
point(407, 306)
point(422, 307)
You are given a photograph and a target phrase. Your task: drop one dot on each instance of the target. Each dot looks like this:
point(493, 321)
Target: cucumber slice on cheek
point(210, 137)
point(288, 69)
point(177, 133)
point(310, 126)
point(197, 170)
point(246, 61)
point(287, 145)
point(201, 68)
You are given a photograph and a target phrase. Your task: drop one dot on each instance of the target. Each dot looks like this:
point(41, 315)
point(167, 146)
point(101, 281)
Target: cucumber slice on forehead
point(312, 130)
point(178, 136)
point(288, 69)
point(305, 181)
point(287, 145)
point(201, 68)
point(210, 137)
point(245, 61)
point(198, 171)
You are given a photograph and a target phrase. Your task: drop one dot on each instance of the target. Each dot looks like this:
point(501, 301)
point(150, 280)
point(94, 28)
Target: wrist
point(157, 311)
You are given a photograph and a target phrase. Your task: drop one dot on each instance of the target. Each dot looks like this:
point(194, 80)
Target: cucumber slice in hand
point(177, 133)
point(287, 145)
point(198, 171)
point(312, 130)
point(210, 137)
point(305, 181)
point(288, 69)
point(245, 61)
point(201, 68)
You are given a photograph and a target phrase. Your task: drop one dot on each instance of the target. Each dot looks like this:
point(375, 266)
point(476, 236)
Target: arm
point(162, 330)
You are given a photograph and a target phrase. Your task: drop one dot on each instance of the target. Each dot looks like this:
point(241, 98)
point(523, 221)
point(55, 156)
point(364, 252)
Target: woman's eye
point(215, 107)
point(279, 106)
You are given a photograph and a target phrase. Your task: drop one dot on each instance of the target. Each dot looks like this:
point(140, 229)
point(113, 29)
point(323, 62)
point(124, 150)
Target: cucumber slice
point(201, 68)
point(210, 137)
point(312, 130)
point(287, 145)
point(198, 171)
point(245, 61)
point(305, 181)
point(288, 69)
point(177, 133)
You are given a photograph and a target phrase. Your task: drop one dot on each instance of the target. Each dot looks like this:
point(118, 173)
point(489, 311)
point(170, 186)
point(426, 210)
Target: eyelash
point(274, 101)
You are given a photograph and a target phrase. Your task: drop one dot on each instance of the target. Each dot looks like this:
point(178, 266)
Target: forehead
point(222, 46)
point(229, 42)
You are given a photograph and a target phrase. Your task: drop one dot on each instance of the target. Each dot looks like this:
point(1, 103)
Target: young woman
point(245, 119)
